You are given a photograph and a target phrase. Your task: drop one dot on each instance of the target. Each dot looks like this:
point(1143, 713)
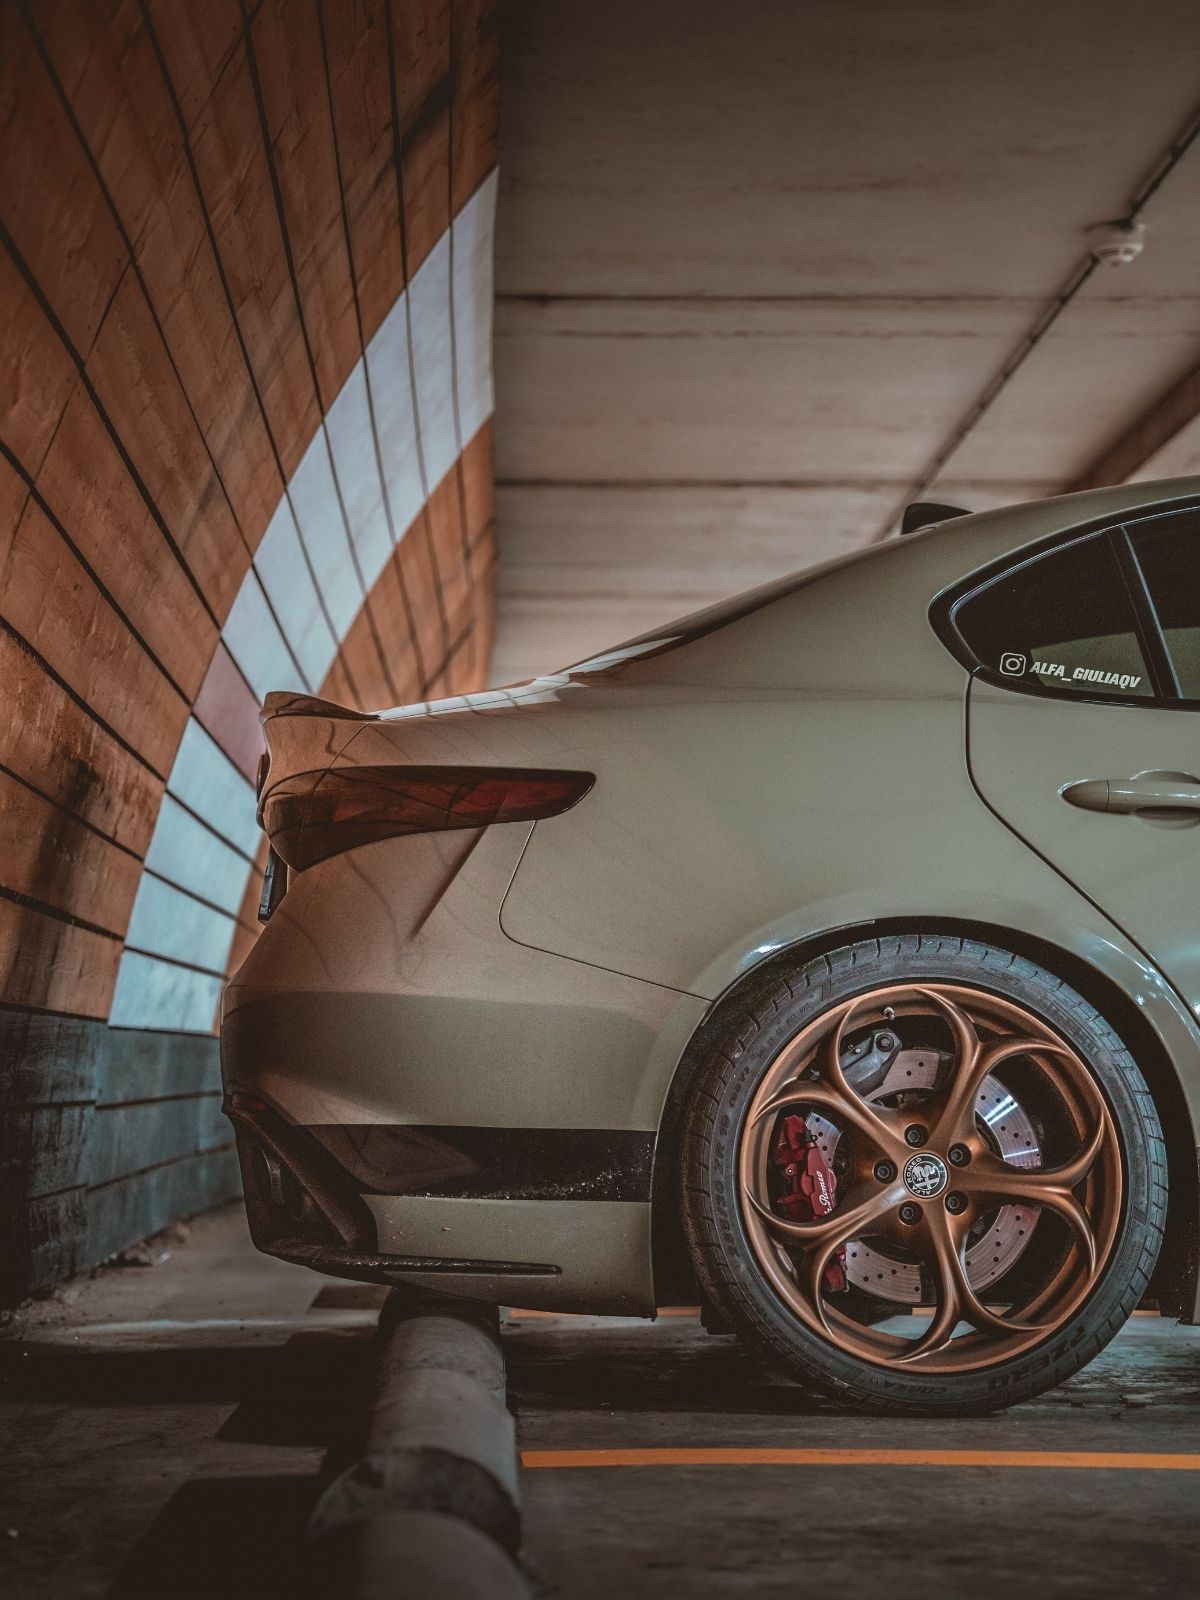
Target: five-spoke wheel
point(920, 1172)
point(908, 1187)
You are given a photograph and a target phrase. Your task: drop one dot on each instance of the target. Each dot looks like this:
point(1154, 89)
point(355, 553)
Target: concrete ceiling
point(756, 265)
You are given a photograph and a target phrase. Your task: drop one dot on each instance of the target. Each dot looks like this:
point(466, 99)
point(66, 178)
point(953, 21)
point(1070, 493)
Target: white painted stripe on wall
point(290, 588)
point(184, 852)
point(167, 922)
point(473, 230)
point(255, 642)
point(391, 389)
point(153, 993)
point(318, 515)
point(430, 322)
point(156, 994)
point(209, 784)
point(353, 450)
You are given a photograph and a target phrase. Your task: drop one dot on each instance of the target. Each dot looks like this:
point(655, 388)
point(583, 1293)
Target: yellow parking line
point(684, 1456)
point(521, 1314)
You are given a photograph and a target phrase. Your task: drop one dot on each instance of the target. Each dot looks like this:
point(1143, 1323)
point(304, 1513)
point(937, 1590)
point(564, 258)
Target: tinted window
point(1062, 623)
point(1168, 551)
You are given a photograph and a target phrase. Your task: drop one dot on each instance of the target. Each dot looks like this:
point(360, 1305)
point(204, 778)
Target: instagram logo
point(1012, 664)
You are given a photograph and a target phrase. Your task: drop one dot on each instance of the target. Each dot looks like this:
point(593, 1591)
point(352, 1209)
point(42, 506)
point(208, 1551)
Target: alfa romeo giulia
point(831, 956)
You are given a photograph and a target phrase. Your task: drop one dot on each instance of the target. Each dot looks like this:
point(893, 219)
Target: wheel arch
point(1175, 1282)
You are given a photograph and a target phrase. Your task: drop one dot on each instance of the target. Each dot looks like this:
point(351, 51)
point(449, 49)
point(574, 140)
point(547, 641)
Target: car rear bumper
point(419, 1098)
point(305, 1206)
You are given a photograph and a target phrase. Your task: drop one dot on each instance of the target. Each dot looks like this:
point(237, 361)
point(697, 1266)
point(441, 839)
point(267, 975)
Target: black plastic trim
point(259, 1128)
point(488, 1163)
point(1145, 616)
point(927, 514)
point(351, 1263)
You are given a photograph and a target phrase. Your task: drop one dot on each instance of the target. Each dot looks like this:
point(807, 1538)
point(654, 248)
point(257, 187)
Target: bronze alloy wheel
point(926, 1180)
point(923, 1173)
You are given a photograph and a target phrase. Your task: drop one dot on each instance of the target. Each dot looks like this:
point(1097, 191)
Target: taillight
point(318, 814)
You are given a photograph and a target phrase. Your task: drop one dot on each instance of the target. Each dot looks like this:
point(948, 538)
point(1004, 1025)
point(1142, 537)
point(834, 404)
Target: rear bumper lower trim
point(346, 1263)
point(490, 1163)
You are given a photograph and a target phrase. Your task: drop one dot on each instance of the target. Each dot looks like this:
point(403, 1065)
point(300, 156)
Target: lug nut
point(915, 1134)
point(909, 1212)
point(885, 1171)
point(955, 1203)
point(959, 1155)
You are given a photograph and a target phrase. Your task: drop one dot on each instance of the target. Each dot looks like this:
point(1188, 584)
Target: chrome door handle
point(1146, 791)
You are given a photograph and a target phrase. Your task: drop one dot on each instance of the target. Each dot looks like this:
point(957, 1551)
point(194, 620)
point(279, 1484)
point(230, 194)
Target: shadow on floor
point(602, 1369)
point(679, 1367)
point(286, 1394)
point(227, 1537)
point(351, 1297)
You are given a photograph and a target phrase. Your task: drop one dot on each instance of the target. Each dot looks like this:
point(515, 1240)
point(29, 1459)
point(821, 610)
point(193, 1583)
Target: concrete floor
point(847, 1531)
point(164, 1428)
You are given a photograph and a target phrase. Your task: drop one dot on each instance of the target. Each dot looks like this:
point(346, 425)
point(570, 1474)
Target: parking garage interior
point(389, 350)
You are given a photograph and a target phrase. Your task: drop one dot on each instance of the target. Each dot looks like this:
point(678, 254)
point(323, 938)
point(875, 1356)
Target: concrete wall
point(245, 444)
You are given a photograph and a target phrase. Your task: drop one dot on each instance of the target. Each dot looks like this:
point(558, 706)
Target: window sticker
point(1013, 665)
point(1061, 623)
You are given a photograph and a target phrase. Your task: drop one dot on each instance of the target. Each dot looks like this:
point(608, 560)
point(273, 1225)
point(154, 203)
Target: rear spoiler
point(303, 734)
point(285, 703)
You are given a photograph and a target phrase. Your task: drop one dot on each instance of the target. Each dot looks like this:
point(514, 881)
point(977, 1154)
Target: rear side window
point(1063, 623)
point(1168, 552)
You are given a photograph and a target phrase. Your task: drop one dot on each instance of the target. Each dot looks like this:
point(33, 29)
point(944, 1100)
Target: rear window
point(1063, 623)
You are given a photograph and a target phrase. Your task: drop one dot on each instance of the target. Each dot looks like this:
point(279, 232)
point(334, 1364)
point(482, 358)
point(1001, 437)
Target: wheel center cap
point(925, 1175)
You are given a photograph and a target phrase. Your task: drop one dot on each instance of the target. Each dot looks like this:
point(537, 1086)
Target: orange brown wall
point(245, 400)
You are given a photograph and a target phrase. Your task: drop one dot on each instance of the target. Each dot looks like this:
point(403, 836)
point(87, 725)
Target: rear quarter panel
point(800, 772)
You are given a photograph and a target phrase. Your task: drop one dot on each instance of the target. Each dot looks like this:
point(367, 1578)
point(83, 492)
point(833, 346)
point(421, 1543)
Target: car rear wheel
point(924, 1174)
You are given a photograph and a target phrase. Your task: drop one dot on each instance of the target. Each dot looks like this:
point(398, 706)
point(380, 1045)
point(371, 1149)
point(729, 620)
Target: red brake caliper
point(813, 1191)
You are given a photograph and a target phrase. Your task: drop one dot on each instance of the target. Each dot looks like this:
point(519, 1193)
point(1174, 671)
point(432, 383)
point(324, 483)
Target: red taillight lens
point(318, 814)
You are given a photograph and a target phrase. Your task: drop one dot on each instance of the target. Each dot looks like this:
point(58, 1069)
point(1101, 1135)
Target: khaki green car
point(830, 956)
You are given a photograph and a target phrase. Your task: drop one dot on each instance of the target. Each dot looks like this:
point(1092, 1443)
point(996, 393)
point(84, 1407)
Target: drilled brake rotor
point(953, 1163)
point(1002, 1240)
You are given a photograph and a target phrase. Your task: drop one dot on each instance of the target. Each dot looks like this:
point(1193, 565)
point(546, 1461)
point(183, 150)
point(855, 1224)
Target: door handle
point(1145, 791)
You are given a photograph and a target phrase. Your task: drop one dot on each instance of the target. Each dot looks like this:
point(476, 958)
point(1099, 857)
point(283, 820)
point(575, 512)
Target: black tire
point(749, 1039)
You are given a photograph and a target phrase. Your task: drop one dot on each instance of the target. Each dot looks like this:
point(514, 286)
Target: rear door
point(1082, 724)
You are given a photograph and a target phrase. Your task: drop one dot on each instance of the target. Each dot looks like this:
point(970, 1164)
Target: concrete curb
point(413, 1555)
point(434, 1499)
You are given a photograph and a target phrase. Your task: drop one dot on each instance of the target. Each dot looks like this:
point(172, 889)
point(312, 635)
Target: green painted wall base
point(106, 1135)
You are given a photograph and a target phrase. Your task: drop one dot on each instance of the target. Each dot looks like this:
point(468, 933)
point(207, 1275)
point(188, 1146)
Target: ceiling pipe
point(1074, 282)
